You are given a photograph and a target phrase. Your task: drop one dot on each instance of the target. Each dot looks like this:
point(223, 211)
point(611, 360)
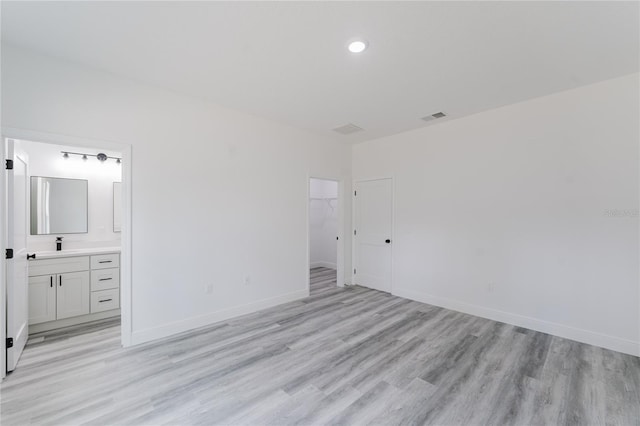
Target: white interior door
point(17, 276)
point(373, 226)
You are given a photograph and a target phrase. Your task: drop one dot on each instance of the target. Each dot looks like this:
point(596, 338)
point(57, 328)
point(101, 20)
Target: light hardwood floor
point(341, 356)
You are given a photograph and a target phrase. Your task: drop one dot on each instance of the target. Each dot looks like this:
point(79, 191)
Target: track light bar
point(102, 157)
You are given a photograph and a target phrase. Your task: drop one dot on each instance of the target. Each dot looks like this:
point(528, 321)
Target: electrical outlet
point(209, 289)
point(491, 286)
point(247, 280)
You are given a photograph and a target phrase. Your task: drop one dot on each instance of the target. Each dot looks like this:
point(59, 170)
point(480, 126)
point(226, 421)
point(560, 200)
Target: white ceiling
point(288, 61)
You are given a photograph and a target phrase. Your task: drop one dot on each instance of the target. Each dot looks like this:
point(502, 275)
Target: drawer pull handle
point(105, 261)
point(105, 300)
point(105, 279)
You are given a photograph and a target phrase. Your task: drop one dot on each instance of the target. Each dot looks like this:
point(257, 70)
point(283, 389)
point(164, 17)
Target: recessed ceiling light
point(358, 46)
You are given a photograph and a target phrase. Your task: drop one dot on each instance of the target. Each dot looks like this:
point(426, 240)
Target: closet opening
point(323, 235)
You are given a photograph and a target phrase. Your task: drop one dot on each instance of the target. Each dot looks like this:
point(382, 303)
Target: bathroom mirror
point(117, 207)
point(58, 206)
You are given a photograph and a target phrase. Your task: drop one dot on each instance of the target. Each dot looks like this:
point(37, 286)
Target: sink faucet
point(58, 243)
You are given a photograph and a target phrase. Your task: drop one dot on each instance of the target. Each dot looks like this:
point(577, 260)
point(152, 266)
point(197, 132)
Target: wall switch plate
point(209, 289)
point(247, 280)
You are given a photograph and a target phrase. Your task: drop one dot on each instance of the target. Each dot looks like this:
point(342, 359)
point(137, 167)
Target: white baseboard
point(323, 264)
point(176, 327)
point(580, 335)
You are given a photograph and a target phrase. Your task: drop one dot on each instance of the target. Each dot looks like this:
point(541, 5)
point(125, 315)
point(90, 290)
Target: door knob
point(387, 241)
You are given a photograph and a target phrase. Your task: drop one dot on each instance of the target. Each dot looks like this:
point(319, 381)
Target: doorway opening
point(323, 235)
point(66, 221)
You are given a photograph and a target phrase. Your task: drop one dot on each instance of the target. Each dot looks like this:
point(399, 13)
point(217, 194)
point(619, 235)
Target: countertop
point(73, 252)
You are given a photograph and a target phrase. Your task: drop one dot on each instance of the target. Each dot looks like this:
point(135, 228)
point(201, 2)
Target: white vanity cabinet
point(42, 299)
point(58, 288)
point(72, 289)
point(105, 282)
point(72, 294)
point(58, 296)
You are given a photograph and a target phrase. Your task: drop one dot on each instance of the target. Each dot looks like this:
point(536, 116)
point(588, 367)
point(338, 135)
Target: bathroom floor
point(68, 332)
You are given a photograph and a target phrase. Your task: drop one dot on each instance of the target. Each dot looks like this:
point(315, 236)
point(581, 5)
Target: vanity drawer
point(58, 265)
point(105, 300)
point(104, 279)
point(103, 261)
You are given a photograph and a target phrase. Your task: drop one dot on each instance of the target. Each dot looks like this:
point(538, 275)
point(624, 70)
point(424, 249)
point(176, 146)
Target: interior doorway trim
point(354, 255)
point(126, 251)
point(341, 253)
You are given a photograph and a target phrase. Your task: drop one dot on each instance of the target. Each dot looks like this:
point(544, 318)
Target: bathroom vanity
point(70, 287)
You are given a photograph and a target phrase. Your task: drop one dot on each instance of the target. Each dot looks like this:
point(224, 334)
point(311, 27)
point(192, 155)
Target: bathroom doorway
point(67, 204)
point(324, 237)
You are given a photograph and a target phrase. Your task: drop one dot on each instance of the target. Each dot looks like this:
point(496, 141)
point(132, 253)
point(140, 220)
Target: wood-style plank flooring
point(341, 356)
point(322, 280)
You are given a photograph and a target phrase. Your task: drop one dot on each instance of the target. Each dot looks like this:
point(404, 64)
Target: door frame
point(354, 206)
point(340, 252)
point(126, 232)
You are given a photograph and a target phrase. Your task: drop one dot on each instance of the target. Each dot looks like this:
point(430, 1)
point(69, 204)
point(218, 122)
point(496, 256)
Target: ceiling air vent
point(434, 116)
point(347, 129)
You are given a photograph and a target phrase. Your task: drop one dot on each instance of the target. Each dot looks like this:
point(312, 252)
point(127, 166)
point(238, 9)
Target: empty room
point(320, 212)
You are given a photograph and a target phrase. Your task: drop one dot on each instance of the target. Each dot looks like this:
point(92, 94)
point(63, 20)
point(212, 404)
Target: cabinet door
point(73, 297)
point(42, 299)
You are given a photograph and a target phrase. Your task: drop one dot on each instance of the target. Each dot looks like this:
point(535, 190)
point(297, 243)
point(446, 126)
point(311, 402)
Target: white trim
point(125, 236)
point(322, 264)
point(190, 324)
point(556, 329)
point(353, 224)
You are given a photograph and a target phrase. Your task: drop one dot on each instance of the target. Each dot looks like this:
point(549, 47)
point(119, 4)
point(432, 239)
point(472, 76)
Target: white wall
point(323, 222)
point(217, 195)
point(46, 160)
point(527, 214)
